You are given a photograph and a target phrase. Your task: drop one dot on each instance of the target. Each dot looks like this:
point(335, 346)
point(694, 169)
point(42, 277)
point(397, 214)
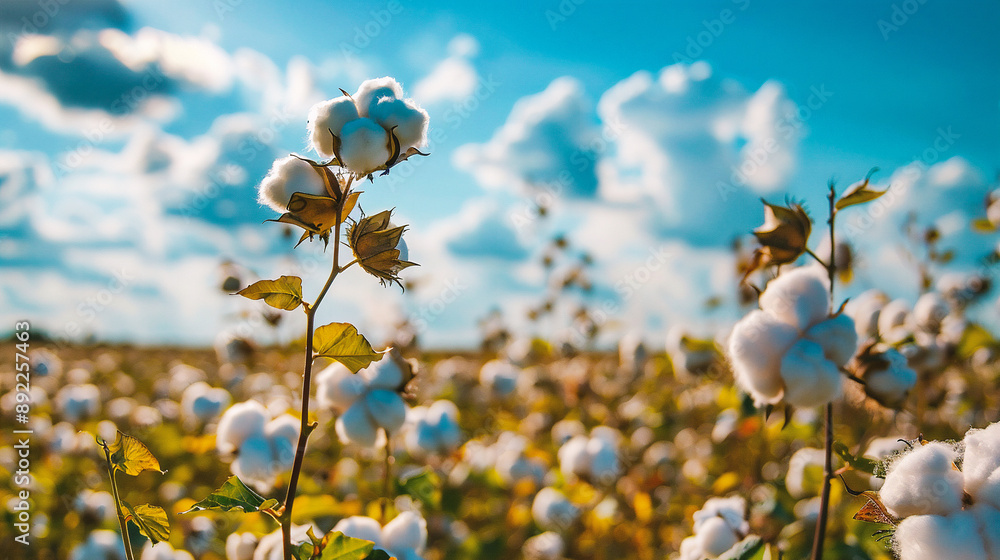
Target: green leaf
point(862, 464)
point(342, 342)
point(342, 547)
point(379, 554)
point(974, 338)
point(131, 456)
point(151, 520)
point(233, 495)
point(424, 485)
point(303, 551)
point(750, 548)
point(859, 193)
point(283, 293)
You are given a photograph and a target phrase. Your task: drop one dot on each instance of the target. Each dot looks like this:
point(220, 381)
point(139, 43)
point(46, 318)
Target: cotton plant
point(500, 376)
point(941, 499)
point(263, 447)
point(358, 136)
point(432, 430)
point(594, 457)
point(553, 511)
point(718, 526)
point(793, 350)
point(201, 403)
point(404, 537)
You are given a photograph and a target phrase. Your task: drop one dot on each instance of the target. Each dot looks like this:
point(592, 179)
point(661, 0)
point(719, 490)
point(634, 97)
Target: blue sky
point(135, 133)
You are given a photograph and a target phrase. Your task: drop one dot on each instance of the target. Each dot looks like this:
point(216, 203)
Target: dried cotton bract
point(791, 348)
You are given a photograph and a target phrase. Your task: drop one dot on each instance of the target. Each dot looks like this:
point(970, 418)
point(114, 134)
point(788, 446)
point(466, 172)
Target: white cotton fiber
point(988, 524)
point(551, 510)
point(499, 375)
point(564, 430)
point(255, 462)
point(545, 546)
point(408, 118)
point(383, 374)
point(810, 378)
point(799, 297)
point(604, 464)
point(934, 537)
point(288, 176)
point(240, 546)
point(338, 388)
point(716, 536)
point(374, 89)
point(892, 383)
point(238, 423)
point(981, 465)
point(407, 531)
point(837, 337)
point(573, 457)
point(360, 527)
point(327, 116)
point(387, 409)
point(805, 472)
point(355, 425)
point(756, 348)
point(929, 311)
point(865, 309)
point(892, 321)
point(923, 482)
point(732, 510)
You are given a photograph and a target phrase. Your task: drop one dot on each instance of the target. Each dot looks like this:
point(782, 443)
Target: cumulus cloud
point(454, 78)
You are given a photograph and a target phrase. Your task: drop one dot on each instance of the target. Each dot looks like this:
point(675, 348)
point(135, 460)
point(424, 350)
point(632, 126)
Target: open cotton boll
point(78, 402)
point(327, 118)
point(283, 433)
point(163, 551)
point(715, 536)
point(356, 426)
point(732, 510)
point(551, 510)
point(405, 536)
point(981, 464)
point(545, 546)
point(810, 378)
point(756, 348)
point(837, 337)
point(409, 119)
point(880, 449)
point(929, 311)
point(805, 472)
point(691, 549)
point(201, 402)
point(338, 388)
point(798, 297)
point(935, 537)
point(270, 546)
point(370, 91)
point(564, 430)
point(239, 422)
point(604, 465)
point(383, 374)
point(892, 321)
point(892, 383)
point(988, 521)
point(865, 309)
point(240, 546)
point(434, 429)
point(286, 177)
point(387, 409)
point(923, 482)
point(100, 545)
point(255, 462)
point(361, 527)
point(364, 146)
point(500, 376)
point(573, 456)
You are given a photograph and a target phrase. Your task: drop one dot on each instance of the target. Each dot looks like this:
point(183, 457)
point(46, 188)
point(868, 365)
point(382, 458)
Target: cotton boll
point(408, 531)
point(364, 146)
point(691, 549)
point(200, 402)
point(865, 310)
point(374, 89)
point(798, 297)
point(387, 409)
point(255, 463)
point(240, 546)
point(573, 456)
point(499, 375)
point(270, 546)
point(837, 337)
point(283, 434)
point(356, 425)
point(981, 465)
point(78, 402)
point(810, 379)
point(604, 465)
point(100, 545)
point(929, 311)
point(805, 472)
point(551, 510)
point(880, 449)
point(923, 482)
point(361, 527)
point(326, 117)
point(564, 430)
point(933, 537)
point(383, 374)
point(546, 546)
point(890, 384)
point(732, 510)
point(715, 536)
point(288, 176)
point(338, 388)
point(239, 422)
point(163, 551)
point(756, 347)
point(409, 119)
point(892, 321)
point(988, 521)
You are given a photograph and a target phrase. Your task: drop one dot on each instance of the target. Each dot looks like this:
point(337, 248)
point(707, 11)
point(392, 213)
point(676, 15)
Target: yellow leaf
point(874, 511)
point(131, 456)
point(283, 293)
point(151, 520)
point(343, 343)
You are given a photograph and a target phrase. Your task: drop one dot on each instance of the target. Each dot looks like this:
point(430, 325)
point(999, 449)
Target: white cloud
point(454, 78)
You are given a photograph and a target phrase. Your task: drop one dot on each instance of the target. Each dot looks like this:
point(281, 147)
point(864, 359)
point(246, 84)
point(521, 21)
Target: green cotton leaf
point(861, 464)
point(151, 520)
point(343, 343)
point(284, 293)
point(750, 548)
point(303, 551)
point(424, 485)
point(379, 554)
point(342, 547)
point(131, 456)
point(859, 193)
point(234, 494)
